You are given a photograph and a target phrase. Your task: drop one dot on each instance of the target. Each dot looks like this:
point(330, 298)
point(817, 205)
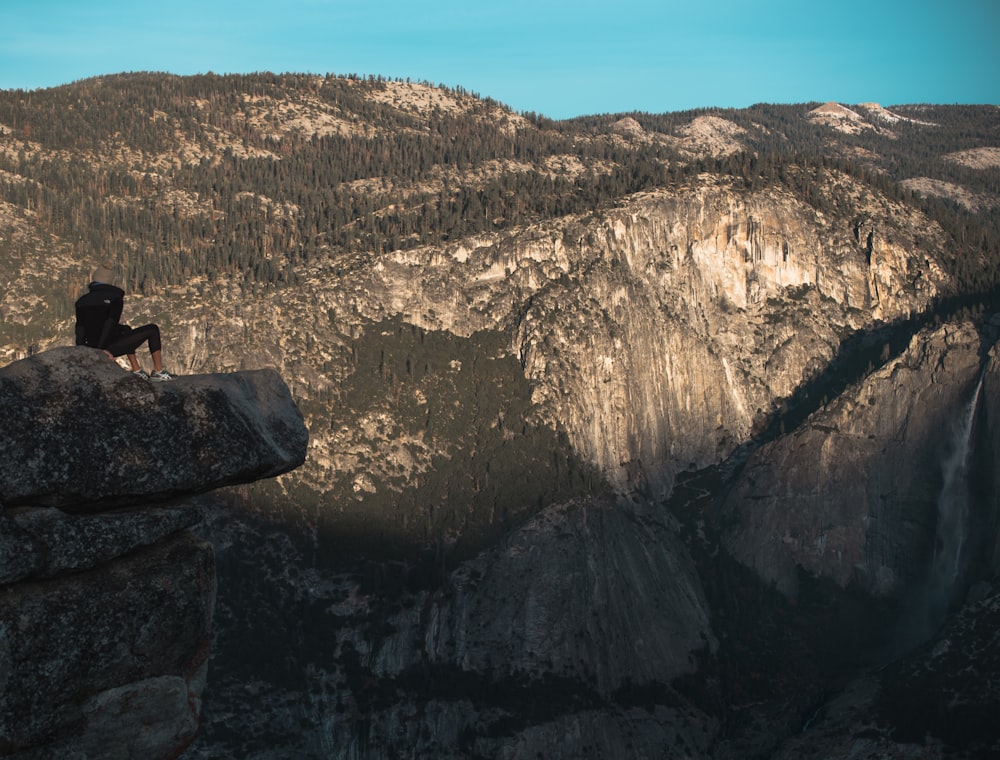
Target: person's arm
point(117, 304)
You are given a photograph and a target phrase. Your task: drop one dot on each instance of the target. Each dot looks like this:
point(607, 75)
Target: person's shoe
point(141, 373)
point(161, 376)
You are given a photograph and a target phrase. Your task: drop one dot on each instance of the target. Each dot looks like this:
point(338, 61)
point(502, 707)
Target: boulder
point(81, 434)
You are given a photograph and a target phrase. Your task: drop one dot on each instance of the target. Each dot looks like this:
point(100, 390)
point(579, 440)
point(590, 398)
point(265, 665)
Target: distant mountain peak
point(840, 118)
point(835, 109)
point(627, 126)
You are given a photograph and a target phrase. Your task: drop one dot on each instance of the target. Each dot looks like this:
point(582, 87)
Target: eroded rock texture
point(130, 637)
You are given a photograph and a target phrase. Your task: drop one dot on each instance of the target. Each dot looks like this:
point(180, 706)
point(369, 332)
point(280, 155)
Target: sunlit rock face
point(852, 495)
point(656, 334)
point(692, 314)
point(106, 597)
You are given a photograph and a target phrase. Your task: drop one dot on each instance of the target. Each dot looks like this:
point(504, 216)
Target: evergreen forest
point(212, 177)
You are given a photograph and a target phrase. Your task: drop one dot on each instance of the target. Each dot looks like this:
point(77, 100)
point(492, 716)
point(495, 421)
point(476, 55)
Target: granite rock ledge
point(106, 598)
point(80, 434)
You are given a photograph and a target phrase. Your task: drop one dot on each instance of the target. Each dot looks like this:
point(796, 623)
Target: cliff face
point(990, 438)
point(701, 311)
point(114, 656)
point(457, 391)
point(656, 336)
point(603, 623)
point(106, 615)
point(853, 494)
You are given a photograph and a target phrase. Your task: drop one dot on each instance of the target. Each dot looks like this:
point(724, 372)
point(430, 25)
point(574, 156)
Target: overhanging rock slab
point(79, 433)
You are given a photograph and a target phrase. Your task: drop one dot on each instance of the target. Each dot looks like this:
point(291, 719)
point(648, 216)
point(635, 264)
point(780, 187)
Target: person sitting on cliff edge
point(98, 312)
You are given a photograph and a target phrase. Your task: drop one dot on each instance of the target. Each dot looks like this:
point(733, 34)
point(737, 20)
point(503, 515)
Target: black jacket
point(97, 315)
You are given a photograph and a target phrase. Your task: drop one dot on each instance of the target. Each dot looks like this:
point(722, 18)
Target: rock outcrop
point(106, 615)
point(82, 435)
point(109, 659)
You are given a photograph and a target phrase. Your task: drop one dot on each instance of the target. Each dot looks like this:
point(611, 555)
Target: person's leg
point(130, 341)
point(156, 352)
point(155, 346)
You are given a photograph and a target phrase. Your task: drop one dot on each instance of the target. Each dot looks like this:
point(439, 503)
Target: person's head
point(104, 273)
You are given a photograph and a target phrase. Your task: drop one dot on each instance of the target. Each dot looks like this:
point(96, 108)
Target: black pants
point(129, 339)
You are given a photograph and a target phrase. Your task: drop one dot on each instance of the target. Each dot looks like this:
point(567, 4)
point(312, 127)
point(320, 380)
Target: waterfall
point(952, 516)
point(926, 606)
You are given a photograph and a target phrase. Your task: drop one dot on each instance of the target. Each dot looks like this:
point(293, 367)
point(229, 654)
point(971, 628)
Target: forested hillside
point(251, 177)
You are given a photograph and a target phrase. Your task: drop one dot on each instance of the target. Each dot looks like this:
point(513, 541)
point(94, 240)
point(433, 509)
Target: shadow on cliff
point(780, 659)
point(860, 354)
point(867, 350)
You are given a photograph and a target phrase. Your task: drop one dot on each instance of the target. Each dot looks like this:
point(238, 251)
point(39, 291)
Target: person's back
point(97, 314)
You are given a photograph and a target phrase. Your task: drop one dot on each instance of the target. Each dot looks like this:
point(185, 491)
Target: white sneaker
point(161, 376)
point(141, 373)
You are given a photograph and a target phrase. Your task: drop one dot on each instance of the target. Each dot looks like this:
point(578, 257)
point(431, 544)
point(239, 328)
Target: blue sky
point(557, 58)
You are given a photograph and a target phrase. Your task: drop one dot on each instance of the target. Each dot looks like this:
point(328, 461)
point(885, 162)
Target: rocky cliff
point(716, 624)
point(106, 596)
point(655, 336)
point(474, 398)
point(459, 390)
point(990, 444)
point(882, 448)
point(628, 436)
